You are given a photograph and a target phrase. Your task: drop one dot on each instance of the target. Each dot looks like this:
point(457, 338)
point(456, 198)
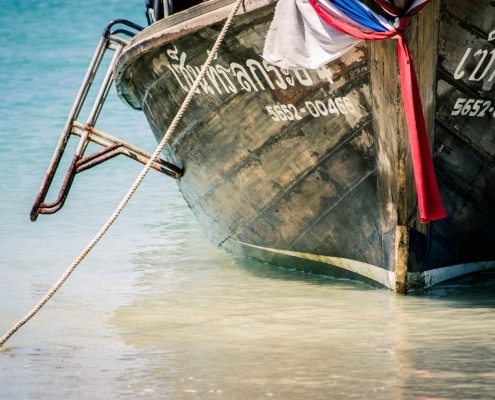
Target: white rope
point(136, 184)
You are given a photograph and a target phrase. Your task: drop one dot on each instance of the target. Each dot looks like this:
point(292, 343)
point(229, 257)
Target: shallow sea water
point(155, 311)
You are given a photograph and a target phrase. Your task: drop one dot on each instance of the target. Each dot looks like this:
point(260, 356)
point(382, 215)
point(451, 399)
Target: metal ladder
point(86, 132)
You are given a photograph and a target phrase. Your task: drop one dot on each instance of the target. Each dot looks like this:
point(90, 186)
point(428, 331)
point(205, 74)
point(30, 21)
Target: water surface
point(155, 311)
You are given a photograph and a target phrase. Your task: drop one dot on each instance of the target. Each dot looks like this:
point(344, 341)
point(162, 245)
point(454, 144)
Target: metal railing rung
point(112, 146)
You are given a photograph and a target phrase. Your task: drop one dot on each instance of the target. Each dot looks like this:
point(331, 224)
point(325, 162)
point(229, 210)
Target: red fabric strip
point(429, 201)
point(393, 10)
point(388, 7)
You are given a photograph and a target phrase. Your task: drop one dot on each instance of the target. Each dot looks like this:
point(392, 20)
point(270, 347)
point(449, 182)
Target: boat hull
point(310, 169)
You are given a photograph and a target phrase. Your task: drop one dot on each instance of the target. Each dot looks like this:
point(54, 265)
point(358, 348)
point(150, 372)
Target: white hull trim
point(377, 274)
point(435, 276)
point(383, 277)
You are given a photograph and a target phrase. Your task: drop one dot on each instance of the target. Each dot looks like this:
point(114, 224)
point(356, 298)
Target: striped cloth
point(352, 20)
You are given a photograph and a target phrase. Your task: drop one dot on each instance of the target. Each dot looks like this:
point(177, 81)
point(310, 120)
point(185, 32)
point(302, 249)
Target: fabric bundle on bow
point(311, 33)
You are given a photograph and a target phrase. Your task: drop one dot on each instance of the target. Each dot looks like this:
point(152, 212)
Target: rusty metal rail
point(111, 40)
point(154, 157)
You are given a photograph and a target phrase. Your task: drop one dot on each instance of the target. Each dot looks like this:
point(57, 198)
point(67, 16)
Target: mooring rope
point(136, 184)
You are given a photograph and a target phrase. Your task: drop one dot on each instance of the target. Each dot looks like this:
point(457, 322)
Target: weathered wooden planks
point(465, 145)
point(317, 163)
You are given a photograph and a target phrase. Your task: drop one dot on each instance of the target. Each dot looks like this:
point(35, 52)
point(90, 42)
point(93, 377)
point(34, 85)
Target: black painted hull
point(296, 169)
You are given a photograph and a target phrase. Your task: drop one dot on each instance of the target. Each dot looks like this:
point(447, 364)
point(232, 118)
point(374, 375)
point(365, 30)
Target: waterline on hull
point(422, 280)
point(338, 267)
point(326, 265)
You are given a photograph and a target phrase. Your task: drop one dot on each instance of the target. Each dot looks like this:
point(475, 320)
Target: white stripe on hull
point(415, 280)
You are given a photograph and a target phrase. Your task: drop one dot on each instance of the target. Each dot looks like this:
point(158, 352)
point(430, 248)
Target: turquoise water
point(155, 311)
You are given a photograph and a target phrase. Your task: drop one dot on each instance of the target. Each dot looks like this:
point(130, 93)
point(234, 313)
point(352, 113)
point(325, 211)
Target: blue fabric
point(354, 10)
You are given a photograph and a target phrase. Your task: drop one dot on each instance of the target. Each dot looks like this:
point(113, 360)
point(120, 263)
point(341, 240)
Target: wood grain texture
point(334, 184)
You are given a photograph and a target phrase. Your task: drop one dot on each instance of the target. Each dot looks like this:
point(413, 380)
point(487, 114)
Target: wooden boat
point(311, 169)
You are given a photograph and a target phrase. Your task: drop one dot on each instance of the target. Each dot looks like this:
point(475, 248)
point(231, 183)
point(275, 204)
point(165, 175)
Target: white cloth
point(299, 39)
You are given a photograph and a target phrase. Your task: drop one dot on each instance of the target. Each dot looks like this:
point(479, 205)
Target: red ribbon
point(429, 201)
